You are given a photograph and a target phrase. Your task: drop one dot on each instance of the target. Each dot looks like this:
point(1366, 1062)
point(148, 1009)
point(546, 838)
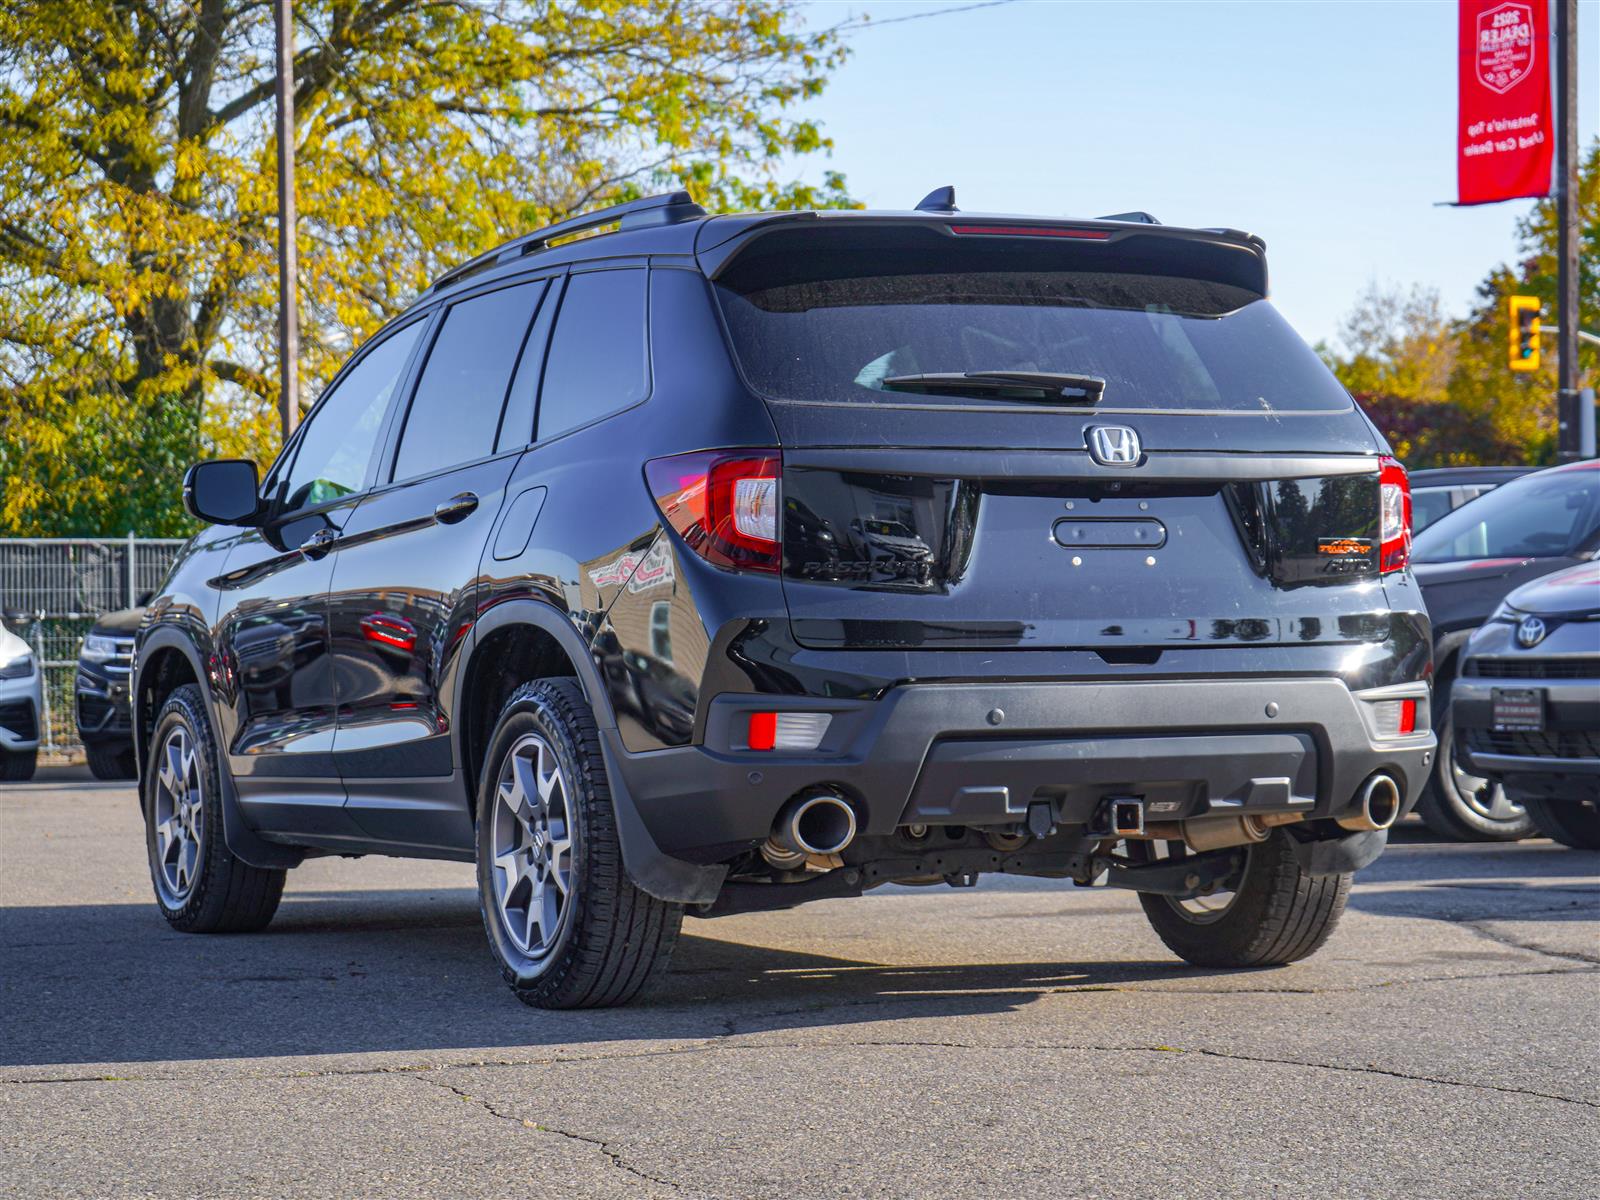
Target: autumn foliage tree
point(1442, 390)
point(138, 201)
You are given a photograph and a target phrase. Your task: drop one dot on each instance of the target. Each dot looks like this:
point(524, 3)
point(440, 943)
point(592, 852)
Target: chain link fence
point(52, 589)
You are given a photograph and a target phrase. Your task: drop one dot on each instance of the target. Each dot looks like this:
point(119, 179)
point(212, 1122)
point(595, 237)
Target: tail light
point(1394, 503)
point(723, 503)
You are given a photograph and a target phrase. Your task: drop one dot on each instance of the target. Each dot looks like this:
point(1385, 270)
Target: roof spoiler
point(669, 208)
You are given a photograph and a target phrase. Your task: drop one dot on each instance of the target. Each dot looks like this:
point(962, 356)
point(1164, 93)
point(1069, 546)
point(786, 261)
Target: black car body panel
point(990, 618)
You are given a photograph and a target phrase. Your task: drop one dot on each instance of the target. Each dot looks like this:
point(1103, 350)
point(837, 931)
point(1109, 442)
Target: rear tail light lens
point(787, 730)
point(723, 503)
point(1394, 491)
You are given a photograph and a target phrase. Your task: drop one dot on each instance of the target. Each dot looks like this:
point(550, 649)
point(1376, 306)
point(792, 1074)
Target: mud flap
point(651, 868)
point(1338, 856)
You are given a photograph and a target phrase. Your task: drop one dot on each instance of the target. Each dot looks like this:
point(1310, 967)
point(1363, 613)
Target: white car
point(21, 702)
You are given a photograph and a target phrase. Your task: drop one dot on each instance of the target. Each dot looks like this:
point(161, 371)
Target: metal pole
point(133, 585)
point(49, 738)
point(288, 309)
point(1567, 413)
point(1586, 423)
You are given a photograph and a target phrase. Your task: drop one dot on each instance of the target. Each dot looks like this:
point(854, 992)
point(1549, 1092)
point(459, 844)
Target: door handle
point(457, 508)
point(318, 544)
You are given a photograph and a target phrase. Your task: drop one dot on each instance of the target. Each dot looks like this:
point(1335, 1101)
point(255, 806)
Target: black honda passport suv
point(717, 564)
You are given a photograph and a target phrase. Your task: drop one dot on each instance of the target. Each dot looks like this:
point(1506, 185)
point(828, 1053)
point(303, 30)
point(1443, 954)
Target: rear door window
point(861, 321)
point(599, 359)
point(455, 411)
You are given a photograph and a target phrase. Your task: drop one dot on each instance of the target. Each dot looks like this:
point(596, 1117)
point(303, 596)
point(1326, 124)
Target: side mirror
point(223, 492)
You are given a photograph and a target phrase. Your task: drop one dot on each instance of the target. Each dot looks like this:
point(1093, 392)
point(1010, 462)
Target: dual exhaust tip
point(816, 827)
point(812, 831)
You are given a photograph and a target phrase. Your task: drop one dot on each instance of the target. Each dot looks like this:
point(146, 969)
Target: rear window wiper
point(1010, 385)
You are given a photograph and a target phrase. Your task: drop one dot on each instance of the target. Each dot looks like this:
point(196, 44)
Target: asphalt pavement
point(1018, 1039)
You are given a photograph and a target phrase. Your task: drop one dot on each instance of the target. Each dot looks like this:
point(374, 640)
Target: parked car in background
point(21, 702)
point(1527, 702)
point(1467, 561)
point(1440, 490)
point(100, 694)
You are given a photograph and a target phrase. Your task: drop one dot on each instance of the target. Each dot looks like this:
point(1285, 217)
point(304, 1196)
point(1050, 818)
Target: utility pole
point(1567, 398)
point(288, 267)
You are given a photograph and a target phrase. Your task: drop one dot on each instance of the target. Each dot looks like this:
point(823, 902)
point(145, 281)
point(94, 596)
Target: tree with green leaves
point(138, 205)
point(1443, 391)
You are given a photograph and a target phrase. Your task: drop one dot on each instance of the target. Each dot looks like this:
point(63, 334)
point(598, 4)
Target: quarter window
point(599, 356)
point(336, 446)
point(456, 409)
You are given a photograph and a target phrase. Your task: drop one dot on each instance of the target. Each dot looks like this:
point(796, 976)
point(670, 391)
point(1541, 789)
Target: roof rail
point(1138, 218)
point(669, 208)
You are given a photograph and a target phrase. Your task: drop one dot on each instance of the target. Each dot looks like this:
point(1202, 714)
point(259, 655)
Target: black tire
point(1279, 914)
point(18, 766)
point(1455, 809)
point(111, 762)
point(221, 894)
point(1574, 823)
point(610, 939)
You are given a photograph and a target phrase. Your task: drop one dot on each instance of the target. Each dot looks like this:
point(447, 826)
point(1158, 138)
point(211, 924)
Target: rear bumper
point(980, 753)
point(1562, 761)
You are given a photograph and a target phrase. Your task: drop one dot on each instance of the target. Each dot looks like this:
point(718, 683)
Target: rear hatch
point(953, 397)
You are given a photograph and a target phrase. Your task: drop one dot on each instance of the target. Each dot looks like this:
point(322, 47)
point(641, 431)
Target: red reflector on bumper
point(1408, 716)
point(763, 730)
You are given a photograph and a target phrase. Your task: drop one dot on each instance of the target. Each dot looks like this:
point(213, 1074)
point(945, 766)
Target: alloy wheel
point(1488, 800)
point(1199, 910)
point(532, 846)
point(179, 816)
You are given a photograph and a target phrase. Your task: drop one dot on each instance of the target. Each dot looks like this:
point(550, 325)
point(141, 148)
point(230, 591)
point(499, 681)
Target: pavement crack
point(614, 1157)
point(1477, 926)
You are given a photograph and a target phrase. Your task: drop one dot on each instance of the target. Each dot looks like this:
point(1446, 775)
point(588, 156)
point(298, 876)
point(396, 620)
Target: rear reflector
point(1394, 718)
point(787, 730)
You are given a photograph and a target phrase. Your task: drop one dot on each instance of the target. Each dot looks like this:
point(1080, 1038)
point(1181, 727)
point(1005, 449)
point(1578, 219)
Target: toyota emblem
point(1530, 632)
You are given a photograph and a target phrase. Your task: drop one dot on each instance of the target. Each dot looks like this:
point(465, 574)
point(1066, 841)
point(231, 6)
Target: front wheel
point(567, 926)
point(1574, 823)
point(18, 766)
point(1464, 807)
point(111, 762)
point(200, 886)
point(1277, 913)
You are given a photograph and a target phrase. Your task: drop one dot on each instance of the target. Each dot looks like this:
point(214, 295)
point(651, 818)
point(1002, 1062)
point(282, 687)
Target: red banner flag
point(1504, 145)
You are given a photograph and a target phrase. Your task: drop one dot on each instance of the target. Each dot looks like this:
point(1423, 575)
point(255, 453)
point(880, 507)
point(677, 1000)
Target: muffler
point(1220, 832)
point(812, 831)
point(1378, 804)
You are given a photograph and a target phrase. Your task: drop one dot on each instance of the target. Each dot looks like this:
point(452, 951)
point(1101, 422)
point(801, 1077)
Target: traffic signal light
point(1524, 311)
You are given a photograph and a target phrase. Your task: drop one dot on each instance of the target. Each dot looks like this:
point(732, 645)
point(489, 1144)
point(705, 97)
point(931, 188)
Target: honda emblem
point(1114, 445)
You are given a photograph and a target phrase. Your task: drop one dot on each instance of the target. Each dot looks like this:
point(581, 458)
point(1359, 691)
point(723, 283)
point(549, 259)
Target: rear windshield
point(817, 323)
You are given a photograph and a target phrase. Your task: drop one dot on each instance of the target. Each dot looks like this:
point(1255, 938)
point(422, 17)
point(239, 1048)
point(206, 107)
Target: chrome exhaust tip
point(1378, 803)
point(810, 828)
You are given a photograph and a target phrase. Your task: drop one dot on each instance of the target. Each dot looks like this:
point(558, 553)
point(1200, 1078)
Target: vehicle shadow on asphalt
point(409, 972)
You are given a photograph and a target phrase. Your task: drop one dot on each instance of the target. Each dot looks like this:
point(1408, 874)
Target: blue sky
point(1324, 127)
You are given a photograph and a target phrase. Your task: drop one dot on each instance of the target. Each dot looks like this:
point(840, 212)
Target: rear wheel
point(111, 762)
point(17, 766)
point(567, 926)
point(1276, 914)
point(200, 886)
point(1465, 807)
point(1574, 823)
